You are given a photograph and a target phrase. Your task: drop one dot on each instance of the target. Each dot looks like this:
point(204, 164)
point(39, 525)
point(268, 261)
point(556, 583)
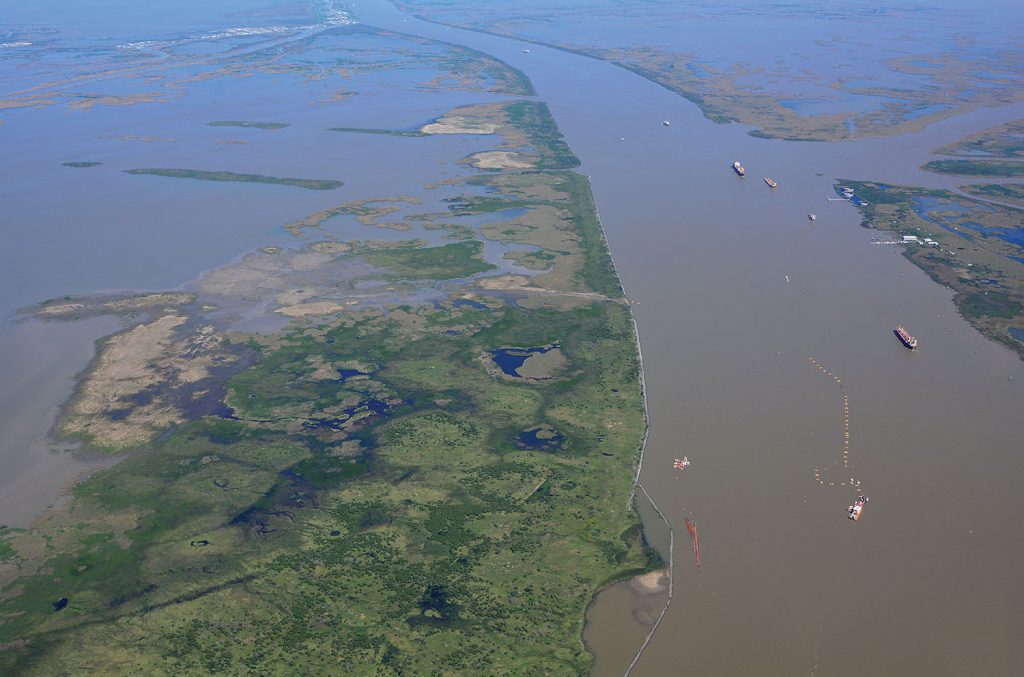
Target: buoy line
point(855, 483)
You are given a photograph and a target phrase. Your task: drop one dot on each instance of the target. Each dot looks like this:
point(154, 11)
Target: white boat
point(812, 216)
point(854, 511)
point(666, 123)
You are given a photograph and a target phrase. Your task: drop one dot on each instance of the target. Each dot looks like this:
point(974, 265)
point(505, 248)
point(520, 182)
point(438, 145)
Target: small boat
point(738, 168)
point(904, 336)
point(857, 508)
point(666, 123)
point(770, 182)
point(812, 217)
point(525, 51)
point(681, 463)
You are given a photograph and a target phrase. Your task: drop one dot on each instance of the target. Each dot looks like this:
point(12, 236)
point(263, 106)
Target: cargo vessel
point(904, 336)
point(738, 168)
point(770, 182)
point(857, 508)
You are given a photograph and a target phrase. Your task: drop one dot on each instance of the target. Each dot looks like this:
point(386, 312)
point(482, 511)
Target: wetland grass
point(202, 175)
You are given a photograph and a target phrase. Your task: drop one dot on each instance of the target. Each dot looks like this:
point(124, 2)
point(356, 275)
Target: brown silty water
point(735, 290)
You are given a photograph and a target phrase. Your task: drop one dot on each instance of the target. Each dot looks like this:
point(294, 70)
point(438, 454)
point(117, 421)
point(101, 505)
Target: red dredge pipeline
point(691, 528)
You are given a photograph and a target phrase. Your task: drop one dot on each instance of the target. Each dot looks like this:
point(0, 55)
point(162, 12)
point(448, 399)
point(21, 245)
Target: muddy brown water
point(929, 581)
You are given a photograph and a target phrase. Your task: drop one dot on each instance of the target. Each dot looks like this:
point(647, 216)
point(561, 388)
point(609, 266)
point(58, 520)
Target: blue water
point(1012, 235)
point(460, 303)
point(378, 407)
point(530, 439)
point(1017, 333)
point(509, 360)
point(849, 103)
point(346, 374)
point(923, 205)
point(929, 209)
point(699, 70)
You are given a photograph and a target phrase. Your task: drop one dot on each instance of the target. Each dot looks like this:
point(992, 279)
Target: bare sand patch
point(311, 308)
point(149, 301)
point(61, 309)
point(459, 124)
point(501, 159)
point(652, 583)
point(543, 366)
point(128, 395)
point(331, 247)
point(125, 367)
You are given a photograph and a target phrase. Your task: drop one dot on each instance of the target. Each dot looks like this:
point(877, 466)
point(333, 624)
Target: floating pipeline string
point(855, 483)
point(691, 528)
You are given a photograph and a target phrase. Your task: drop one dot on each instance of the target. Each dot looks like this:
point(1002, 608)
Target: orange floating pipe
point(691, 528)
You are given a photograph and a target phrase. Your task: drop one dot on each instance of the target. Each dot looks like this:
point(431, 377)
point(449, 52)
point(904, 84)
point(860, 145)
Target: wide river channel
point(735, 290)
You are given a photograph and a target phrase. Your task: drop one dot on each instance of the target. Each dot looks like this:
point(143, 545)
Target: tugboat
point(904, 336)
point(681, 463)
point(666, 123)
point(738, 168)
point(771, 183)
point(812, 216)
point(857, 508)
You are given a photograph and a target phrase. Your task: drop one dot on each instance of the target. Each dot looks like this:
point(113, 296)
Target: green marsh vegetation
point(975, 168)
point(534, 119)
point(450, 261)
point(363, 503)
point(1012, 193)
point(977, 255)
point(419, 532)
point(1004, 141)
point(408, 133)
point(201, 175)
point(248, 124)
